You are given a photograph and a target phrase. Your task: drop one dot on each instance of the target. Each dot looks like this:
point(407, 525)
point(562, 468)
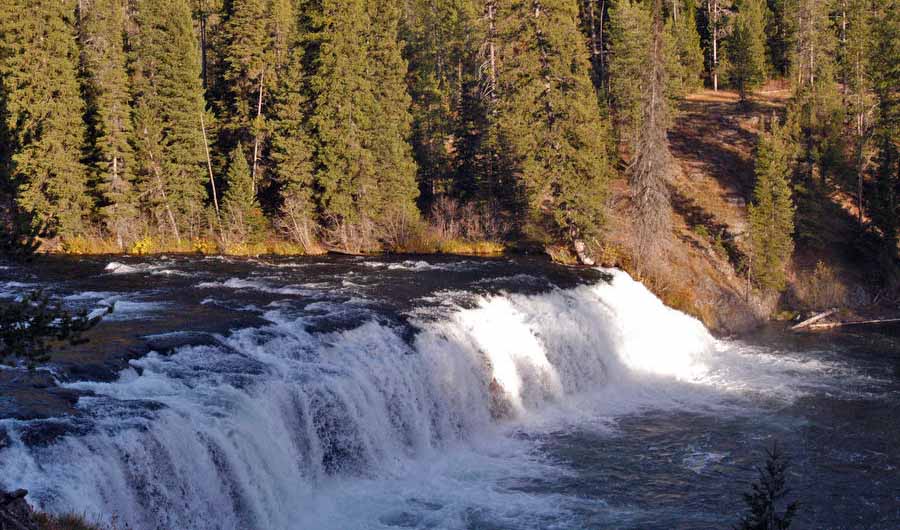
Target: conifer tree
point(109, 111)
point(292, 152)
point(42, 110)
point(341, 118)
point(629, 49)
point(772, 212)
point(549, 114)
point(886, 84)
point(169, 99)
point(442, 39)
point(249, 74)
point(361, 116)
point(747, 47)
point(651, 165)
point(685, 40)
point(243, 216)
point(395, 167)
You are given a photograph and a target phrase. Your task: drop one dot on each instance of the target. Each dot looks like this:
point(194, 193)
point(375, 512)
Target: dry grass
point(66, 522)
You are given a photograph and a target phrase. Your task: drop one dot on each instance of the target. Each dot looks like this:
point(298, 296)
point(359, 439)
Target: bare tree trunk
point(256, 133)
point(714, 16)
point(203, 45)
point(492, 52)
point(212, 181)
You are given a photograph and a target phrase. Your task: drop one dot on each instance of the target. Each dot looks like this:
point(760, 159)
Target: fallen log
point(810, 321)
point(830, 325)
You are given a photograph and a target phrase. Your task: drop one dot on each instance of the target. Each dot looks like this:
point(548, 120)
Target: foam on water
point(279, 427)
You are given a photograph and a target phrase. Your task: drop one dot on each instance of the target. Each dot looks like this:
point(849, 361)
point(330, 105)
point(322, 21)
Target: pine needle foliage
point(772, 212)
point(768, 494)
point(549, 114)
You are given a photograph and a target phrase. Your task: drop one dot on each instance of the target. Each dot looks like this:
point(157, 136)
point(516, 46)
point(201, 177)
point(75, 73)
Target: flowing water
point(352, 393)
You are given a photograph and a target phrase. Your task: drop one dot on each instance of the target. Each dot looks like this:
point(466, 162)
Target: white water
point(280, 428)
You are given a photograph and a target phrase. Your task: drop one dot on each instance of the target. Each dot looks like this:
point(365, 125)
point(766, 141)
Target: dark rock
point(15, 512)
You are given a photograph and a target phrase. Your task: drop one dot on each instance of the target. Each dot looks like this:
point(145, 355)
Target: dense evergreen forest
point(366, 125)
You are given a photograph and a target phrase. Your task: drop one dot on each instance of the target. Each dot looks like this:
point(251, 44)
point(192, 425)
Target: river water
point(392, 393)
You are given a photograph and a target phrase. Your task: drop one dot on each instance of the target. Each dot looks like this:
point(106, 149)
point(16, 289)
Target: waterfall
point(270, 427)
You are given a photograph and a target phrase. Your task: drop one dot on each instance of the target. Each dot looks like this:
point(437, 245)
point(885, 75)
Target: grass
point(65, 522)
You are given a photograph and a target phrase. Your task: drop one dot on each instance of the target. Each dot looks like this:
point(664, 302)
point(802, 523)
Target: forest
point(303, 126)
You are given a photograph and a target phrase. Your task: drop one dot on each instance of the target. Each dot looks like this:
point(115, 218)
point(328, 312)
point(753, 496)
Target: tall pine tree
point(42, 109)
point(772, 211)
point(549, 114)
point(168, 91)
point(109, 112)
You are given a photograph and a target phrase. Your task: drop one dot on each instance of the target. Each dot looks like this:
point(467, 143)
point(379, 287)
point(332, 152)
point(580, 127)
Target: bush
point(768, 494)
point(821, 288)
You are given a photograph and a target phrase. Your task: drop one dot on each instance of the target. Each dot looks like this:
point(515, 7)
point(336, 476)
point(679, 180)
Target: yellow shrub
point(145, 245)
point(204, 246)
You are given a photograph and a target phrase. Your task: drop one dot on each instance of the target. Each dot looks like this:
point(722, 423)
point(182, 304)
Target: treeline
point(344, 122)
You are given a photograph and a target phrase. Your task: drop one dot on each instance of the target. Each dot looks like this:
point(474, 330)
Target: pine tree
point(292, 153)
point(768, 495)
point(442, 39)
point(395, 166)
point(243, 217)
point(685, 40)
point(772, 212)
point(42, 109)
point(249, 74)
point(747, 47)
point(885, 209)
point(651, 165)
point(107, 93)
point(361, 117)
point(549, 114)
point(629, 49)
point(168, 92)
point(341, 118)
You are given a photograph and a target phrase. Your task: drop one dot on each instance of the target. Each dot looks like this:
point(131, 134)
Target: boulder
point(15, 512)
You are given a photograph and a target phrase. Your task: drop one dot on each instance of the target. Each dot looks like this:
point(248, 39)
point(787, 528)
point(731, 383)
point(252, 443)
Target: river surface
point(395, 393)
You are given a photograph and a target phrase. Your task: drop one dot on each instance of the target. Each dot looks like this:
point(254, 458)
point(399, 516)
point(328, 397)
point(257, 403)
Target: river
point(391, 393)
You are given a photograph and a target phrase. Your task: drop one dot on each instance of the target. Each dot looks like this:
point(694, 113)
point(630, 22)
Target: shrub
point(821, 289)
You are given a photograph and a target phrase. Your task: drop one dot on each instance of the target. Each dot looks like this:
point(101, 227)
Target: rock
point(15, 512)
point(581, 252)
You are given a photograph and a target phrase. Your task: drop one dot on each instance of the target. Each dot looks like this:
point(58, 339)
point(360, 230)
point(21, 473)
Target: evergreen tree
point(629, 49)
point(813, 41)
point(109, 111)
point(42, 111)
point(442, 39)
point(779, 29)
point(168, 92)
point(249, 72)
point(395, 167)
point(341, 118)
point(685, 40)
point(767, 496)
point(292, 152)
point(548, 112)
point(361, 116)
point(652, 159)
point(243, 217)
point(772, 212)
point(886, 83)
point(747, 47)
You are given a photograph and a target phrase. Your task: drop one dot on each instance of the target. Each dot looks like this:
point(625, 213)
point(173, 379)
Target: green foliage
point(109, 114)
point(243, 217)
point(549, 114)
point(747, 47)
point(361, 114)
point(33, 326)
point(169, 99)
point(682, 30)
point(629, 43)
point(41, 108)
point(772, 212)
point(768, 495)
point(885, 208)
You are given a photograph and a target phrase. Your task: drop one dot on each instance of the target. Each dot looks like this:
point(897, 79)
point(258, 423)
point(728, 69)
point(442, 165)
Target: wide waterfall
point(340, 410)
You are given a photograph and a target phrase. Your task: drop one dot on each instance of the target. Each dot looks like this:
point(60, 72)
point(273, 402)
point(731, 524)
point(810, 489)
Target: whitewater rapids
point(375, 426)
